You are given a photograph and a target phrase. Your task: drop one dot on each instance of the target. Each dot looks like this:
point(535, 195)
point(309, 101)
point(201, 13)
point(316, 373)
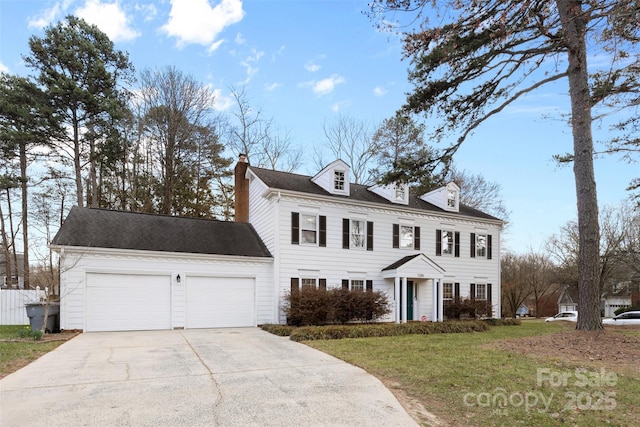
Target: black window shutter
point(345, 233)
point(457, 244)
point(322, 284)
point(295, 228)
point(396, 235)
point(438, 242)
point(488, 246)
point(488, 291)
point(456, 292)
point(345, 284)
point(369, 235)
point(473, 245)
point(416, 238)
point(323, 231)
point(295, 284)
point(369, 285)
point(472, 291)
point(489, 305)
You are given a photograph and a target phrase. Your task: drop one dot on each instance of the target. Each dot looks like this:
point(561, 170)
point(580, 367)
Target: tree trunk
point(25, 216)
point(76, 161)
point(5, 246)
point(574, 26)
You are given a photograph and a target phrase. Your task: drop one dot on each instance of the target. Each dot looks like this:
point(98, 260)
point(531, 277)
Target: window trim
point(297, 229)
point(339, 178)
point(347, 233)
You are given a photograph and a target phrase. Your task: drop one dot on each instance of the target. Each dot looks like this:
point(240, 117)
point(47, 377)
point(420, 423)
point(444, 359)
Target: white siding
point(334, 263)
point(77, 264)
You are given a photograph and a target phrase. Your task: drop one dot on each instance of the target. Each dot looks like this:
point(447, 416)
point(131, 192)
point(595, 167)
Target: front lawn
point(16, 352)
point(467, 380)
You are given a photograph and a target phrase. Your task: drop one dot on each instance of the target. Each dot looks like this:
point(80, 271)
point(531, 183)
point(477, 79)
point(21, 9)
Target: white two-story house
point(324, 231)
point(138, 271)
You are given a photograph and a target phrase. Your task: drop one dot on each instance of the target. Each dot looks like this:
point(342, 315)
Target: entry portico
point(412, 275)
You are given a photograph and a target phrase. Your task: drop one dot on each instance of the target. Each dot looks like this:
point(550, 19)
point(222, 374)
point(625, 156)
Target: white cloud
point(272, 86)
point(149, 11)
point(379, 91)
point(311, 67)
point(47, 16)
point(338, 106)
point(110, 18)
point(325, 86)
point(221, 102)
point(240, 39)
point(195, 21)
point(250, 63)
point(3, 68)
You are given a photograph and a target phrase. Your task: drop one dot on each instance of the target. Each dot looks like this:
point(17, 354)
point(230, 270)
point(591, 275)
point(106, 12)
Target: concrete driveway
point(204, 377)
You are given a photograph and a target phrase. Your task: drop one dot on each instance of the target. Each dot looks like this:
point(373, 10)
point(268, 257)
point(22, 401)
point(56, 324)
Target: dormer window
point(400, 193)
point(452, 199)
point(338, 180)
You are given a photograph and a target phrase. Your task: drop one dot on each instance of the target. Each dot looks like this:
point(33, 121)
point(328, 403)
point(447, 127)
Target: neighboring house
point(16, 281)
point(566, 301)
point(623, 295)
point(422, 250)
point(139, 271)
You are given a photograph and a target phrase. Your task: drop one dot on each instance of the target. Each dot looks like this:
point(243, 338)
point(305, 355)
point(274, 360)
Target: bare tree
point(257, 137)
point(350, 139)
point(478, 193)
point(514, 286)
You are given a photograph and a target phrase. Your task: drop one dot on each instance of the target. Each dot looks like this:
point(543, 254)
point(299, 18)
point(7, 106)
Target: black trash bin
point(35, 313)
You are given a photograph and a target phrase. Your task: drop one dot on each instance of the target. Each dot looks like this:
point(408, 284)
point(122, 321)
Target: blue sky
point(305, 62)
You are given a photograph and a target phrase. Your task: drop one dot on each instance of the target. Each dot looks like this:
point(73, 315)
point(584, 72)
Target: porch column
point(396, 294)
point(404, 300)
point(440, 304)
point(434, 300)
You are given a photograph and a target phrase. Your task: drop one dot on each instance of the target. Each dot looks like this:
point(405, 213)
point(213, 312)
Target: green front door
point(409, 300)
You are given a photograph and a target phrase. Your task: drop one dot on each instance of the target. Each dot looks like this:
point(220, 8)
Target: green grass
point(460, 378)
point(19, 353)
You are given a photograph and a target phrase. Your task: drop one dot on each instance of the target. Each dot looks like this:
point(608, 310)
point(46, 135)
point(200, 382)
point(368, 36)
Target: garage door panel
point(214, 302)
point(123, 302)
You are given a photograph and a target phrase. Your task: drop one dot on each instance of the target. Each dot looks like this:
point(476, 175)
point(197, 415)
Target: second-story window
point(357, 233)
point(480, 245)
point(338, 180)
point(406, 236)
point(447, 243)
point(308, 229)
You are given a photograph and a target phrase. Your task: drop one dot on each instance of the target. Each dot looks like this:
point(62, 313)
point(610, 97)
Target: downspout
point(276, 260)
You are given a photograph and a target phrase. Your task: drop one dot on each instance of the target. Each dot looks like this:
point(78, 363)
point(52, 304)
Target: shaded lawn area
point(16, 353)
point(465, 380)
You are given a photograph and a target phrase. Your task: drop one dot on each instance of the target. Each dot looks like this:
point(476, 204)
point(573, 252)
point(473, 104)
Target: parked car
point(569, 316)
point(628, 318)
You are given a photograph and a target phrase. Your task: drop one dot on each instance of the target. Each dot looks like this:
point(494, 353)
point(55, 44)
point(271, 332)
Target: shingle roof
point(102, 228)
point(303, 184)
point(401, 262)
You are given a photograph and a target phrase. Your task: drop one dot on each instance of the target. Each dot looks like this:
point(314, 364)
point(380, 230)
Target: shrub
point(310, 306)
point(509, 321)
point(467, 308)
point(309, 333)
point(27, 332)
point(280, 330)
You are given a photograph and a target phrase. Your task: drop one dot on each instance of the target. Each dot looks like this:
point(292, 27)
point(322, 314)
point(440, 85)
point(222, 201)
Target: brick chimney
point(241, 203)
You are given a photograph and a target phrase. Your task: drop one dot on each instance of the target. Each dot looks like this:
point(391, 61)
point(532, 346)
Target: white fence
point(12, 301)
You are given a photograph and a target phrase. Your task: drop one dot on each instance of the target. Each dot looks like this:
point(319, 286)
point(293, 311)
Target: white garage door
point(127, 302)
point(216, 302)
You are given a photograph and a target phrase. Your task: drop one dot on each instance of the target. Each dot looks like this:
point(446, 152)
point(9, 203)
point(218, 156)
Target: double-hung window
point(357, 234)
point(358, 285)
point(406, 236)
point(447, 291)
point(480, 245)
point(447, 243)
point(308, 229)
